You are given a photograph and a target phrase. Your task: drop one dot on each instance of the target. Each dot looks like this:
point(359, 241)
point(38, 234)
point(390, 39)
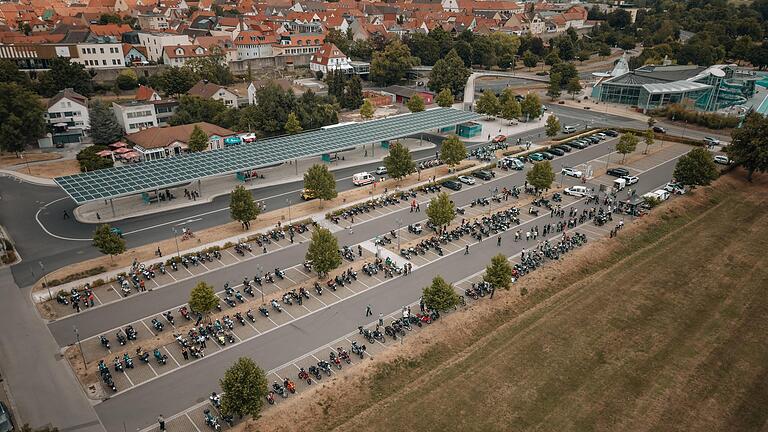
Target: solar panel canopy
point(172, 171)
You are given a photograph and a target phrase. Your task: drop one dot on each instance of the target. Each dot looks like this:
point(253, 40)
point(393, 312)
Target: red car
point(499, 138)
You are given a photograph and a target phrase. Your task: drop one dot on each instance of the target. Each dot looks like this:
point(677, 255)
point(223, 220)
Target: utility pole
point(80, 346)
point(176, 239)
point(45, 279)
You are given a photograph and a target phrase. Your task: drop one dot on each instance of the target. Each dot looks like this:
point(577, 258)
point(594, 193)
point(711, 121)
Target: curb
point(27, 178)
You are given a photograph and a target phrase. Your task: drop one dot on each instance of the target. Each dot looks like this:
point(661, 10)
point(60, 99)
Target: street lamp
point(176, 239)
point(45, 279)
point(289, 202)
point(399, 222)
point(79, 345)
point(608, 160)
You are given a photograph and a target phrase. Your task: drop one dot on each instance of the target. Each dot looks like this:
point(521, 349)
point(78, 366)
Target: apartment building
point(155, 42)
point(135, 115)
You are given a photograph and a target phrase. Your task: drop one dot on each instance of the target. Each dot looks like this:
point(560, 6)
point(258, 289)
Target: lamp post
point(176, 239)
point(399, 222)
point(80, 346)
point(608, 160)
point(45, 279)
point(289, 202)
point(562, 175)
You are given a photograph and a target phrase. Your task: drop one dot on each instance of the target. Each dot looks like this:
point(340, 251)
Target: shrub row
point(75, 276)
point(707, 119)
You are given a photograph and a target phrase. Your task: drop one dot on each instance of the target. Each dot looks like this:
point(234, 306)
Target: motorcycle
point(318, 289)
point(185, 313)
point(168, 317)
point(211, 420)
point(157, 324)
point(118, 365)
point(276, 305)
point(279, 273)
point(240, 318)
point(344, 355)
point(264, 311)
point(325, 366)
point(215, 400)
point(335, 359)
point(303, 375)
point(279, 389)
point(314, 371)
point(289, 385)
point(130, 333)
point(128, 361)
point(104, 342)
point(271, 398)
point(161, 358)
point(142, 355)
point(250, 316)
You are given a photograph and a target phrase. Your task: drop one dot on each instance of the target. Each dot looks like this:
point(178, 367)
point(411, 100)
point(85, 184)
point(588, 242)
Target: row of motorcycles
point(372, 204)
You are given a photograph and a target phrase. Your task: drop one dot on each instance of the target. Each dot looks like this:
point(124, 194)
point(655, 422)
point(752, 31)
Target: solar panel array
point(159, 174)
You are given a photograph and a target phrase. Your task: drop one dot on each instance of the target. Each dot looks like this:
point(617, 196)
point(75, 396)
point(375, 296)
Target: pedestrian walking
point(368, 311)
point(159, 253)
point(466, 250)
point(527, 235)
point(98, 216)
point(161, 422)
point(264, 249)
point(381, 319)
point(498, 241)
point(359, 250)
point(185, 354)
point(65, 215)
point(202, 343)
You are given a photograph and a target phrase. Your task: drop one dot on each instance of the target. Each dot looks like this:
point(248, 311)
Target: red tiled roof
point(327, 52)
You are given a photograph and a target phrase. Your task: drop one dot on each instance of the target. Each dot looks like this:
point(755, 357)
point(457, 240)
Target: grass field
point(663, 328)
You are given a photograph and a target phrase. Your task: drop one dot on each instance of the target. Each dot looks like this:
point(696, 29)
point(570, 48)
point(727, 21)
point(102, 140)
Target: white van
point(569, 128)
point(362, 179)
point(662, 194)
point(619, 184)
point(577, 191)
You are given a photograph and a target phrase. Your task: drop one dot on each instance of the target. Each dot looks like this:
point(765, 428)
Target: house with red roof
point(330, 58)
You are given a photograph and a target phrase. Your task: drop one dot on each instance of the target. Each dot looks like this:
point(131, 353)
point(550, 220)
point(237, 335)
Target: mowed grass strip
point(665, 332)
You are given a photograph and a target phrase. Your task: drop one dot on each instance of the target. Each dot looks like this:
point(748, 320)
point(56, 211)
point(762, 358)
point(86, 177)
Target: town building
point(179, 55)
point(159, 143)
point(209, 90)
point(67, 117)
point(330, 58)
point(135, 115)
point(404, 94)
point(155, 42)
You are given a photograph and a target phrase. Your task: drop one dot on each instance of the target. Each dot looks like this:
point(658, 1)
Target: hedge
point(707, 119)
point(75, 276)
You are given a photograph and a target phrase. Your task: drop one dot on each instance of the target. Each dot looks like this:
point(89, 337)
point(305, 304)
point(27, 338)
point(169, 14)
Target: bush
point(98, 283)
point(76, 276)
point(90, 161)
point(706, 119)
point(8, 257)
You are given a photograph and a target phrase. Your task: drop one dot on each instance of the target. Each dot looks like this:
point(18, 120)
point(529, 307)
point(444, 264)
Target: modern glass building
point(649, 87)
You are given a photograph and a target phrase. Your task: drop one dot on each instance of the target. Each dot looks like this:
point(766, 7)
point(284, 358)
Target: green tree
point(90, 161)
point(626, 145)
point(583, 55)
point(649, 136)
point(198, 140)
point(109, 19)
point(553, 126)
point(292, 125)
point(242, 207)
point(390, 66)
point(541, 175)
point(108, 242)
point(320, 181)
point(567, 72)
point(323, 251)
point(10, 73)
point(245, 388)
point(505, 46)
point(367, 110)
point(651, 122)
point(440, 295)
point(552, 58)
point(353, 93)
point(64, 74)
point(176, 80)
point(336, 37)
point(194, 109)
point(510, 109)
point(399, 162)
point(449, 72)
point(127, 80)
point(697, 168)
point(531, 106)
point(415, 103)
point(553, 90)
point(441, 210)
point(21, 117)
point(453, 151)
point(530, 59)
point(749, 147)
point(445, 98)
point(361, 50)
point(104, 126)
point(573, 87)
point(202, 298)
point(498, 273)
point(488, 104)
point(213, 67)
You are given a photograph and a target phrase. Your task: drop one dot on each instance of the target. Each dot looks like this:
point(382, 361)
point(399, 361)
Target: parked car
point(675, 188)
point(630, 179)
point(381, 170)
point(611, 133)
point(452, 184)
point(659, 129)
point(571, 172)
point(308, 194)
point(618, 172)
point(577, 191)
point(548, 156)
point(535, 157)
point(555, 151)
point(483, 175)
point(576, 145)
point(499, 139)
point(711, 141)
point(116, 230)
point(467, 180)
point(722, 159)
point(564, 148)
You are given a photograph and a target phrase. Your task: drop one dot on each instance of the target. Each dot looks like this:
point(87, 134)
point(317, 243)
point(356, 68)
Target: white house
point(100, 55)
point(154, 42)
point(68, 109)
point(254, 44)
point(135, 115)
point(179, 55)
point(208, 90)
point(328, 58)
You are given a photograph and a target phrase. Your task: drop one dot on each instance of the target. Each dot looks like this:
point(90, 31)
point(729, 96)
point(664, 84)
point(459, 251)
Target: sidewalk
point(27, 178)
point(499, 126)
point(214, 187)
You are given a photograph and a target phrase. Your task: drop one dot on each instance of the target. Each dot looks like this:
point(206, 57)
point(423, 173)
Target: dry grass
point(10, 160)
point(661, 329)
point(52, 169)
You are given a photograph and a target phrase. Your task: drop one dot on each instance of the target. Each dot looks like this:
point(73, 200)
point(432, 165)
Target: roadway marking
point(37, 218)
point(171, 356)
point(125, 372)
point(193, 423)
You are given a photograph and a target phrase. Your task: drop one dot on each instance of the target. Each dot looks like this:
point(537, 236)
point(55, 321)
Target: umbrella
point(118, 144)
point(130, 155)
point(104, 153)
point(122, 150)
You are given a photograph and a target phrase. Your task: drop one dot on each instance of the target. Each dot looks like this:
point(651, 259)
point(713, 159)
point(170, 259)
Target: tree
point(176, 80)
point(567, 72)
point(415, 103)
point(541, 175)
point(10, 73)
point(488, 104)
point(449, 72)
point(553, 90)
point(367, 110)
point(292, 125)
point(194, 109)
point(553, 126)
point(390, 66)
point(649, 136)
point(90, 161)
point(651, 122)
point(583, 55)
point(202, 298)
point(440, 295)
point(353, 93)
point(64, 74)
point(749, 147)
point(339, 39)
point(453, 151)
point(320, 181)
point(198, 140)
point(573, 87)
point(619, 18)
point(108, 242)
point(242, 207)
point(530, 59)
point(127, 80)
point(323, 251)
point(104, 126)
point(510, 109)
point(213, 67)
point(399, 162)
point(441, 210)
point(626, 145)
point(498, 273)
point(445, 98)
point(361, 50)
point(245, 388)
point(531, 106)
point(552, 58)
point(424, 47)
point(21, 117)
point(697, 168)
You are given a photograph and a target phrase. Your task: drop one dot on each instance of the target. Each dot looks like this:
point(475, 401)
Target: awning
point(104, 153)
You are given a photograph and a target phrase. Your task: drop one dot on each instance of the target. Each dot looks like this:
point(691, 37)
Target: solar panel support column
point(112, 204)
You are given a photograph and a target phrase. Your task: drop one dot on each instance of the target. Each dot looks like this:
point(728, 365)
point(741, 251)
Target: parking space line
point(169, 274)
point(151, 368)
point(97, 298)
point(286, 311)
point(291, 280)
point(125, 372)
point(193, 423)
point(150, 330)
point(333, 294)
point(171, 355)
point(364, 284)
point(318, 299)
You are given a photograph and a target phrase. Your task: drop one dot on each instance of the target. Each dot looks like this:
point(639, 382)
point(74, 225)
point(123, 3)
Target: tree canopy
point(202, 298)
point(541, 175)
point(449, 73)
point(21, 117)
point(64, 74)
point(626, 145)
point(530, 106)
point(245, 388)
point(104, 126)
point(488, 104)
point(573, 87)
point(696, 168)
point(198, 140)
point(320, 181)
point(108, 242)
point(415, 103)
point(367, 110)
point(194, 109)
point(390, 66)
point(441, 210)
point(440, 295)
point(499, 272)
point(213, 67)
point(242, 206)
point(292, 124)
point(323, 251)
point(90, 161)
point(553, 126)
point(444, 99)
point(453, 151)
point(553, 89)
point(399, 162)
point(749, 147)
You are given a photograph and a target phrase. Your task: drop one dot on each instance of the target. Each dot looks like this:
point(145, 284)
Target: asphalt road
point(103, 318)
point(188, 385)
point(23, 203)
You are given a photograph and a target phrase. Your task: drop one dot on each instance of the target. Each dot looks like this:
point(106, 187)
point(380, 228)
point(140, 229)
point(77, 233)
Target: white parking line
point(171, 356)
point(125, 372)
point(150, 330)
point(193, 423)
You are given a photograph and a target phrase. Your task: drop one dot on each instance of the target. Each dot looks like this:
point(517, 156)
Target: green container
point(469, 130)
